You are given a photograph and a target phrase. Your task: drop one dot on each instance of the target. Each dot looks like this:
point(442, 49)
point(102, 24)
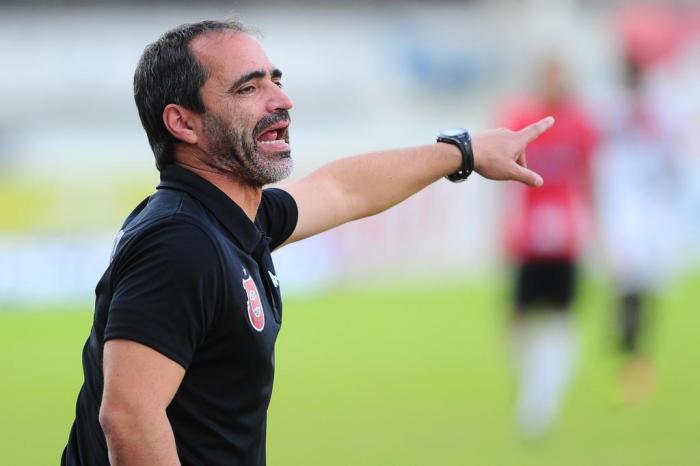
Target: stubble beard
point(233, 152)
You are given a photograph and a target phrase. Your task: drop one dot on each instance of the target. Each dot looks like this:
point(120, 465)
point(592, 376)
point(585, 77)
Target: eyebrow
point(257, 74)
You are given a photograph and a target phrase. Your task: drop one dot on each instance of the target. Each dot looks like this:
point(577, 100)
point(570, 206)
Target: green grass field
point(402, 376)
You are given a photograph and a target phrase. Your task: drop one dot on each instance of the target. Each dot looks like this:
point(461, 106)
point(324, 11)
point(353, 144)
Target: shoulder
point(520, 111)
point(168, 217)
point(277, 215)
point(172, 243)
point(165, 205)
point(275, 197)
point(584, 123)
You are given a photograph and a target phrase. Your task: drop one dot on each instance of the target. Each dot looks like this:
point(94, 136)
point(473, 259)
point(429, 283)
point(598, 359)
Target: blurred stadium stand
point(376, 75)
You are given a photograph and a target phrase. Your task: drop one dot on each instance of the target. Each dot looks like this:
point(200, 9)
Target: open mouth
point(275, 137)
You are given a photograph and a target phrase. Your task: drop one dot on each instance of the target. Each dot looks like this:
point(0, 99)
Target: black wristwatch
point(460, 138)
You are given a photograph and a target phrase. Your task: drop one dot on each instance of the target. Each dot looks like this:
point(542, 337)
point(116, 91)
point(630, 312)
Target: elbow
point(116, 419)
point(110, 418)
point(119, 418)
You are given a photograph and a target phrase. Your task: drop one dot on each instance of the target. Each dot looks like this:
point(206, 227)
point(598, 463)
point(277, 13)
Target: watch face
point(452, 132)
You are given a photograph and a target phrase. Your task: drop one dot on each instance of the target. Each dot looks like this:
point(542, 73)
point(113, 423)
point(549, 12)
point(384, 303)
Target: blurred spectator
point(544, 234)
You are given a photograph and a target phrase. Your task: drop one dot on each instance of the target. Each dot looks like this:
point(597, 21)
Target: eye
point(279, 84)
point(246, 89)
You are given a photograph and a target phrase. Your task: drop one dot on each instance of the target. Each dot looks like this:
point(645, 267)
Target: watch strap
point(463, 141)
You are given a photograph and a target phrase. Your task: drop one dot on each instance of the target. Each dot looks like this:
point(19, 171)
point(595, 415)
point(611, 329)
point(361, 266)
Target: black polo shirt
point(191, 277)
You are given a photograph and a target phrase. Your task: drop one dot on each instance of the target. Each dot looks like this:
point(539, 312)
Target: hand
point(499, 154)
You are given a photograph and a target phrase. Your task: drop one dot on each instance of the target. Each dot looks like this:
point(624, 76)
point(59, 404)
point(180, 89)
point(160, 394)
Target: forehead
point(230, 54)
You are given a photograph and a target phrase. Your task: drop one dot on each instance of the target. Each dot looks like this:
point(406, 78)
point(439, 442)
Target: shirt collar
point(229, 214)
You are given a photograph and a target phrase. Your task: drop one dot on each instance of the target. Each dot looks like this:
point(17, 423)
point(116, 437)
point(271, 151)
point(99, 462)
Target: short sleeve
point(277, 215)
point(165, 290)
point(589, 135)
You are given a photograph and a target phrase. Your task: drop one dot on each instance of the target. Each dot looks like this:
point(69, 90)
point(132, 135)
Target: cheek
point(243, 127)
point(239, 117)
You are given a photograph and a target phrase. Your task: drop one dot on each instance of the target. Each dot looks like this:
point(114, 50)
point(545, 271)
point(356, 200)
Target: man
point(179, 362)
point(637, 188)
point(545, 230)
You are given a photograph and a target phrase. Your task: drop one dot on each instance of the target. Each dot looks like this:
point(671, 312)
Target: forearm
point(139, 438)
point(356, 187)
point(371, 183)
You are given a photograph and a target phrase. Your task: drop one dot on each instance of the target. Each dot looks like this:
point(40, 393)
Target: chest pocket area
point(262, 256)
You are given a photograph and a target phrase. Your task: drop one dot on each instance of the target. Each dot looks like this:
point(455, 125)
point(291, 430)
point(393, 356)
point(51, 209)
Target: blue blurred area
point(436, 66)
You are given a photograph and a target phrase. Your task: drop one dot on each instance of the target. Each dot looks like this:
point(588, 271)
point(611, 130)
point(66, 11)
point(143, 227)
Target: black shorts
point(545, 283)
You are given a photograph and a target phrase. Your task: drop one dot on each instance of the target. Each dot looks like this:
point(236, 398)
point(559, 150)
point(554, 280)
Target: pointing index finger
point(533, 131)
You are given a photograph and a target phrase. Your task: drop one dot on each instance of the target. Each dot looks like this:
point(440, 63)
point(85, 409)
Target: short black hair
point(169, 73)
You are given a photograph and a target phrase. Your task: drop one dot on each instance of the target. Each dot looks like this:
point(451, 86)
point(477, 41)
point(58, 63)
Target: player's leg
point(630, 321)
point(637, 374)
point(544, 341)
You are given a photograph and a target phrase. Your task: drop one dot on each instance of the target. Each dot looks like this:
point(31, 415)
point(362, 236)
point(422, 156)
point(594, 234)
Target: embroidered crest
point(256, 315)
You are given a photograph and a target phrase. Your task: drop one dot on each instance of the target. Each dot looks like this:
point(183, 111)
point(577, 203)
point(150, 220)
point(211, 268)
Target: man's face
point(553, 81)
point(245, 125)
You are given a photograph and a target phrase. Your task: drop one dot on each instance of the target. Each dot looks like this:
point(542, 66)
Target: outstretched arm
point(356, 187)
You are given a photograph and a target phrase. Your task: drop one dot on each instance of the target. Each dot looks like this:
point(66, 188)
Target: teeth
point(276, 141)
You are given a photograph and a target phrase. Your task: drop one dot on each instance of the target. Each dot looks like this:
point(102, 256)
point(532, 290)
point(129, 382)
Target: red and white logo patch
point(256, 315)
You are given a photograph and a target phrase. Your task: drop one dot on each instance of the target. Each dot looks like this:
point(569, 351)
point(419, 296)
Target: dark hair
point(633, 72)
point(169, 73)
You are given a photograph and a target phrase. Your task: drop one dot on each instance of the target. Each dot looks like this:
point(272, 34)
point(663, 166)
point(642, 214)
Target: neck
point(247, 197)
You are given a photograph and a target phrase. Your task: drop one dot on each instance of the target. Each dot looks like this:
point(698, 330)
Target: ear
point(181, 123)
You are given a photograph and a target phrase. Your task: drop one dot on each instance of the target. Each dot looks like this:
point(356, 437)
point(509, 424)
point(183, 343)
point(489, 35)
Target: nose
point(279, 101)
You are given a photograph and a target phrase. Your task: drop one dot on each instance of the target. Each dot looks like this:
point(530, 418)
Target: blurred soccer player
point(635, 188)
point(544, 231)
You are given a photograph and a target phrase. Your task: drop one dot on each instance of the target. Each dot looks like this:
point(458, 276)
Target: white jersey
point(635, 187)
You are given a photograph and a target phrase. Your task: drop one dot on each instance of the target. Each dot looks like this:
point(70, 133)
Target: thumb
point(527, 176)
